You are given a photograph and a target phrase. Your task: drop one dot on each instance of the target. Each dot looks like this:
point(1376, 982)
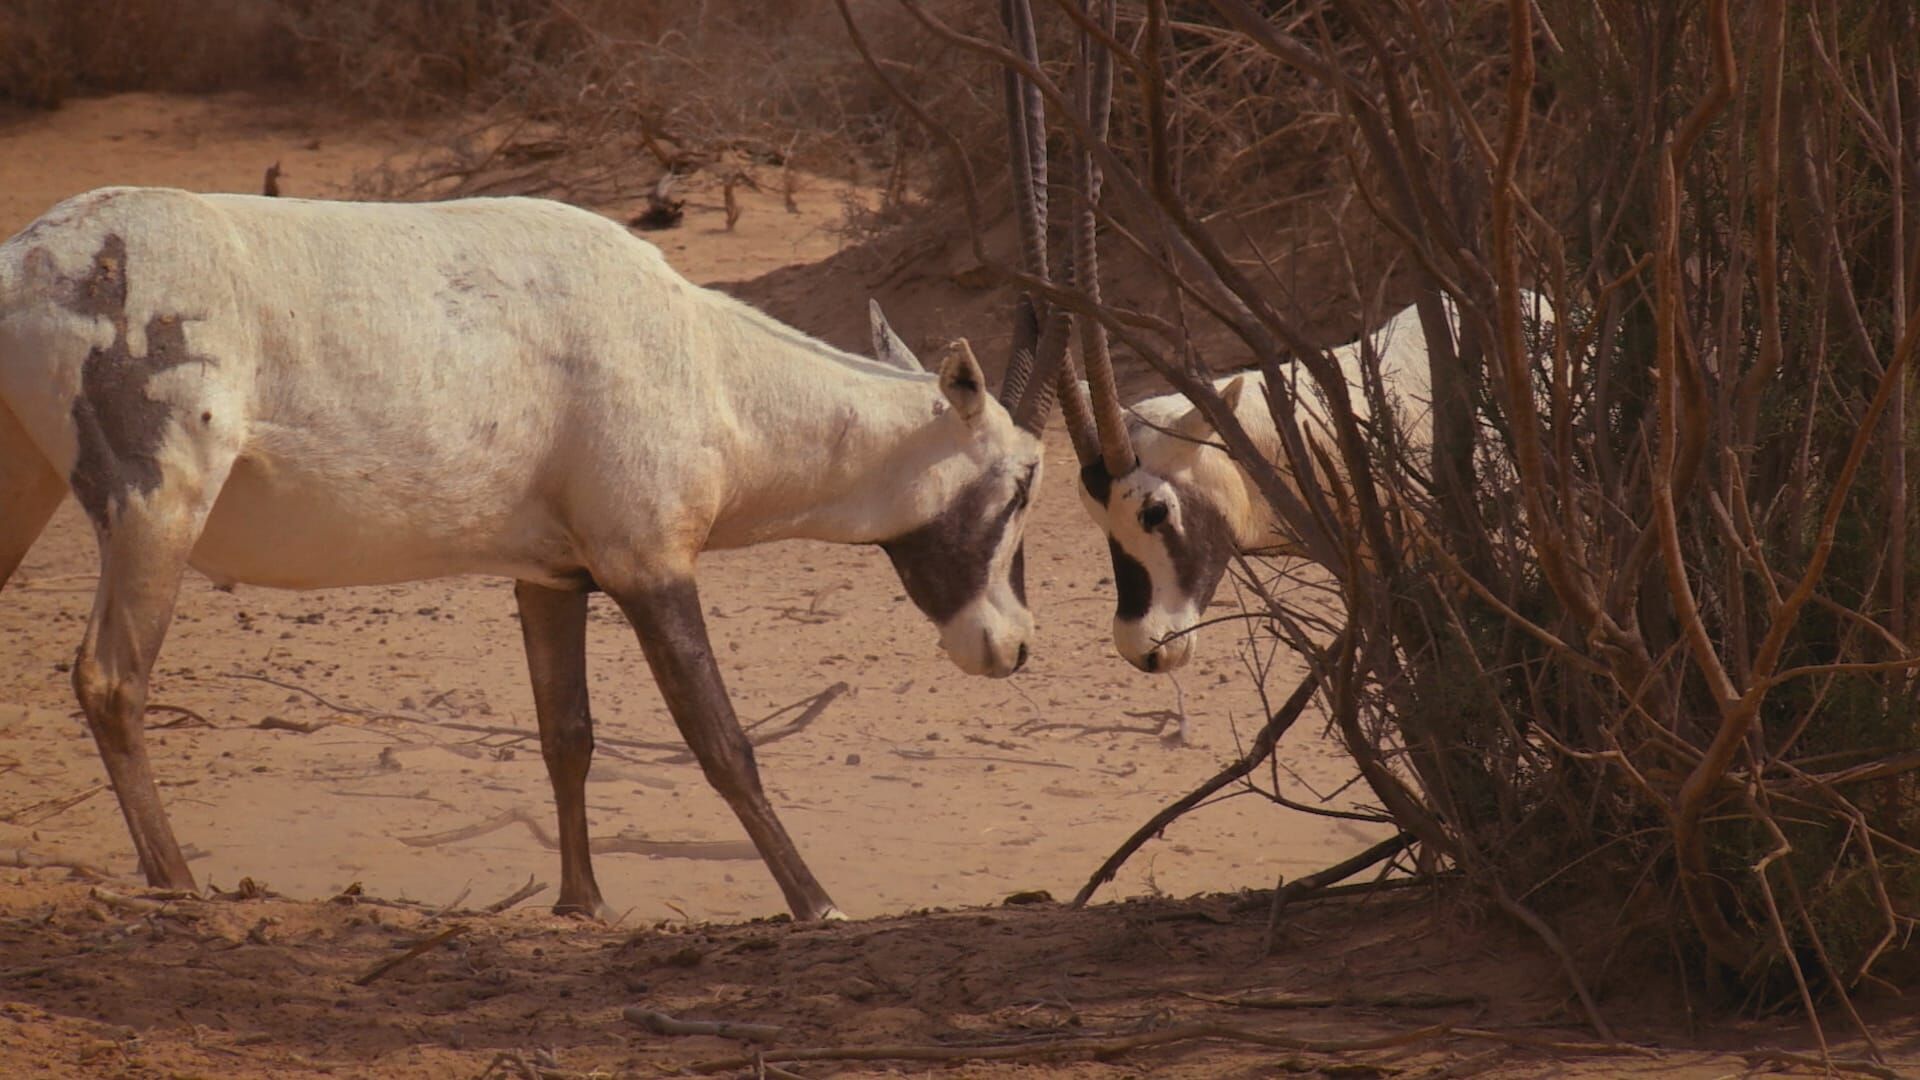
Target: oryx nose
point(1150, 662)
point(1020, 660)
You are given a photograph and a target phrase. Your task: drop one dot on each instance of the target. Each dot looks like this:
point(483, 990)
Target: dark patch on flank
point(120, 428)
point(944, 563)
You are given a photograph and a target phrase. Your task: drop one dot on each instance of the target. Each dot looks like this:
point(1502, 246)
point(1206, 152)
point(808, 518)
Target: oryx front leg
point(674, 637)
point(554, 624)
point(144, 544)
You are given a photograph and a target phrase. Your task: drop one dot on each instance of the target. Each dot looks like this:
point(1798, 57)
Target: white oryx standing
point(308, 394)
point(1177, 516)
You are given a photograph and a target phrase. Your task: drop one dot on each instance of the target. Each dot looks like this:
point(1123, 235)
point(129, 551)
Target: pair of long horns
point(1041, 332)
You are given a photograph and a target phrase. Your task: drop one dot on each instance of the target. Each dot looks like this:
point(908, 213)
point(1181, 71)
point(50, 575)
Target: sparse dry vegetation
point(1630, 647)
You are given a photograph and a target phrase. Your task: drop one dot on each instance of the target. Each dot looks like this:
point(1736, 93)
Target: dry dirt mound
point(109, 985)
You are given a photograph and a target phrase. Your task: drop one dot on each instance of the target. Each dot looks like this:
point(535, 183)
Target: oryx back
point(400, 391)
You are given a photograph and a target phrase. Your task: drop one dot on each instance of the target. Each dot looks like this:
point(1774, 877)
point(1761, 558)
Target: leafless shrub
point(52, 49)
point(1631, 644)
point(588, 100)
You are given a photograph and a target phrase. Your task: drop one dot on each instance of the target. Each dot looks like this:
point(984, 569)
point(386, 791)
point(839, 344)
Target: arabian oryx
point(304, 394)
point(1176, 508)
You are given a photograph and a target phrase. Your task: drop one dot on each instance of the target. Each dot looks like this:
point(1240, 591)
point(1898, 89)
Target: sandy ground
point(383, 739)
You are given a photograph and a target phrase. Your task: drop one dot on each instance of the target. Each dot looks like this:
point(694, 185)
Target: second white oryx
point(1176, 508)
point(1176, 517)
point(303, 395)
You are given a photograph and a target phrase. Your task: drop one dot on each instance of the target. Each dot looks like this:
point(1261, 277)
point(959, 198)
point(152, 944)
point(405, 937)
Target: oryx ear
point(962, 381)
point(1194, 424)
point(887, 346)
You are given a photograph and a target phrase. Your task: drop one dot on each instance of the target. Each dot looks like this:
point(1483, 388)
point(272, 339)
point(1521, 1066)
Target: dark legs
point(554, 624)
point(142, 559)
point(674, 637)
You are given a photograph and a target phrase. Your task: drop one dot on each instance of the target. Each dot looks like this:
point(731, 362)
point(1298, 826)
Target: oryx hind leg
point(674, 636)
point(554, 624)
point(30, 490)
point(146, 535)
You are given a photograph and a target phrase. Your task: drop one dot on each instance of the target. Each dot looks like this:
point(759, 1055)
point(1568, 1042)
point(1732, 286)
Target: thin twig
point(662, 1024)
point(418, 948)
point(1263, 745)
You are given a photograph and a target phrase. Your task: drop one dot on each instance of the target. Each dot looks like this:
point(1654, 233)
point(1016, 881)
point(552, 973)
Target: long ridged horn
point(1075, 409)
point(1026, 145)
point(1016, 390)
point(1094, 88)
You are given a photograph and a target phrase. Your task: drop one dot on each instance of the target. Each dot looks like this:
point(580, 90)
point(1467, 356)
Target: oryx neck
point(829, 445)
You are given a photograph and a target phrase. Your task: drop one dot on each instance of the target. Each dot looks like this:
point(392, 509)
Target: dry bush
point(582, 99)
point(52, 49)
point(1630, 646)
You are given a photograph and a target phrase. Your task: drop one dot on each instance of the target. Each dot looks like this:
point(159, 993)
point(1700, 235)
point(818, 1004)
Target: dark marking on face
point(120, 427)
point(1199, 550)
point(944, 563)
point(1131, 582)
point(1097, 481)
point(1017, 575)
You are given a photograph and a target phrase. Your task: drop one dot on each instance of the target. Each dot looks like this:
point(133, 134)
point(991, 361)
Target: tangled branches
point(1631, 635)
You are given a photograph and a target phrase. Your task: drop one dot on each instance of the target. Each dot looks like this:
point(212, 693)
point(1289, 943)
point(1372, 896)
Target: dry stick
point(185, 714)
point(661, 1024)
point(1094, 1047)
point(1103, 1048)
point(137, 905)
point(51, 806)
point(929, 755)
point(1361, 888)
point(419, 947)
point(1340, 871)
point(1413, 1000)
point(524, 892)
point(815, 705)
point(22, 859)
point(444, 909)
point(622, 845)
point(303, 727)
point(1825, 1062)
point(1263, 745)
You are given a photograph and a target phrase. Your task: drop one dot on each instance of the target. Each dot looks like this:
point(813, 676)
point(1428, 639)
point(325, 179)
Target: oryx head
point(1169, 545)
point(1168, 536)
point(965, 566)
